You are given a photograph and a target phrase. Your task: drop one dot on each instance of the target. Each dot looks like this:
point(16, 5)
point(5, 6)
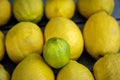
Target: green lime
point(56, 52)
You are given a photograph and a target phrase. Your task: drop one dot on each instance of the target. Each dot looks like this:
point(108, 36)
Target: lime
point(56, 52)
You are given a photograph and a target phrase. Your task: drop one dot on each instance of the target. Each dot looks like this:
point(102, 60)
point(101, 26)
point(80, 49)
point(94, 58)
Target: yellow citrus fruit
point(59, 8)
point(69, 31)
point(107, 67)
point(119, 37)
point(32, 67)
point(5, 12)
point(28, 10)
point(23, 39)
point(56, 52)
point(89, 7)
point(2, 45)
point(101, 35)
point(74, 71)
point(4, 75)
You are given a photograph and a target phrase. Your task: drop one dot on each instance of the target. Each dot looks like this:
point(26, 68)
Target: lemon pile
point(61, 43)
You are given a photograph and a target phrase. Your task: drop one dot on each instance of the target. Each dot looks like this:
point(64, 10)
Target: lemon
point(32, 68)
point(69, 31)
point(101, 35)
point(5, 12)
point(2, 45)
point(89, 7)
point(74, 71)
point(56, 52)
point(23, 39)
point(119, 37)
point(107, 67)
point(4, 75)
point(59, 8)
point(28, 10)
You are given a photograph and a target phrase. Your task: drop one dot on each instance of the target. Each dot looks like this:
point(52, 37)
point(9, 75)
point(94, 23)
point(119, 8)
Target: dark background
point(85, 58)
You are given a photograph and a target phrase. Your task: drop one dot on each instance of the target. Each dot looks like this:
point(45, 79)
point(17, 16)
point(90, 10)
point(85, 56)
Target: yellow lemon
point(23, 39)
point(69, 31)
point(32, 68)
point(107, 67)
point(59, 8)
point(119, 38)
point(28, 10)
point(5, 12)
point(2, 45)
point(4, 75)
point(74, 71)
point(56, 52)
point(101, 35)
point(89, 7)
